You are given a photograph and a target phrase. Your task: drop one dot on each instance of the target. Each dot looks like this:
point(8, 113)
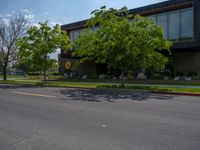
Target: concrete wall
point(186, 62)
point(86, 68)
point(62, 61)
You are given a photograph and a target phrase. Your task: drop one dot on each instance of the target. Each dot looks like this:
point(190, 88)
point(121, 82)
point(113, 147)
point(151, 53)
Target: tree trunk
point(4, 72)
point(45, 79)
point(122, 75)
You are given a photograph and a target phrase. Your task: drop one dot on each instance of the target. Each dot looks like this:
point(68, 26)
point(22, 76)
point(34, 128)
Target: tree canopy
point(122, 41)
point(39, 43)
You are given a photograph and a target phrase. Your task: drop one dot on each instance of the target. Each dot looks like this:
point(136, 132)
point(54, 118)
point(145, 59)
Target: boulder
point(71, 75)
point(183, 78)
point(84, 77)
point(188, 78)
point(114, 78)
point(120, 77)
point(141, 76)
point(177, 78)
point(125, 78)
point(66, 76)
point(102, 76)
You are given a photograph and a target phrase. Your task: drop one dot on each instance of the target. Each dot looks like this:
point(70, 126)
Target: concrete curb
point(116, 89)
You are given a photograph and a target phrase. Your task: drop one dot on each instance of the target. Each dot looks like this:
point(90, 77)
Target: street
point(34, 118)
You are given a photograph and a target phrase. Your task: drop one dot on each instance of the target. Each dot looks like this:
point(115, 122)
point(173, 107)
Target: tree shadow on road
point(97, 95)
point(110, 95)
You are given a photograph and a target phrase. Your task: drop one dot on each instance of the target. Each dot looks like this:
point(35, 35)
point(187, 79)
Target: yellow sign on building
point(68, 65)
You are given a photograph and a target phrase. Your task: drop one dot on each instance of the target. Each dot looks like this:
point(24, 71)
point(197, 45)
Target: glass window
point(80, 31)
point(162, 21)
point(187, 24)
point(76, 34)
point(71, 36)
point(174, 26)
point(178, 25)
point(153, 19)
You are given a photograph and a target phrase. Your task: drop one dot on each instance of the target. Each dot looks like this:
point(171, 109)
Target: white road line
point(34, 94)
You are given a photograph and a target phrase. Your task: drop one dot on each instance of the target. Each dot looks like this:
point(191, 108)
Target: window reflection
point(174, 26)
point(162, 21)
point(186, 24)
point(177, 25)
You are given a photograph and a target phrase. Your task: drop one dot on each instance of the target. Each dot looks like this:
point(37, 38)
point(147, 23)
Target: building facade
point(180, 20)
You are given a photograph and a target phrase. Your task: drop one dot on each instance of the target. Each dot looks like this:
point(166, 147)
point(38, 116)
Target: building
point(181, 22)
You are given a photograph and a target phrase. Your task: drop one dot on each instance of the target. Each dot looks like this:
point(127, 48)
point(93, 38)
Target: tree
point(54, 68)
point(1, 63)
point(123, 41)
point(25, 65)
point(40, 42)
point(10, 32)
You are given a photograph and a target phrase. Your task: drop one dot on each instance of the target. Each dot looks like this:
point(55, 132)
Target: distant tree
point(54, 67)
point(39, 43)
point(123, 41)
point(10, 32)
point(25, 65)
point(1, 61)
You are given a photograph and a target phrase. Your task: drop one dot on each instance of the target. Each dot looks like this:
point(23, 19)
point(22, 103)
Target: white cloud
point(52, 23)
point(35, 24)
point(13, 12)
point(25, 11)
point(29, 16)
point(5, 20)
point(8, 15)
point(46, 13)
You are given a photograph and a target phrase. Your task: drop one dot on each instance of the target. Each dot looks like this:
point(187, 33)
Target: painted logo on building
point(68, 65)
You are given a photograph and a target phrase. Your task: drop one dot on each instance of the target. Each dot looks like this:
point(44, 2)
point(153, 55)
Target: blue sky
point(62, 11)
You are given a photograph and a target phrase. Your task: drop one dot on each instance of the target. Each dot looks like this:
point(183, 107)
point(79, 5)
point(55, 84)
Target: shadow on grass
point(110, 95)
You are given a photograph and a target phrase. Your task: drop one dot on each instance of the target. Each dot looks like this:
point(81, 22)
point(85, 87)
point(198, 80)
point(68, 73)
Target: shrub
point(55, 73)
point(130, 75)
point(180, 74)
point(33, 73)
point(195, 75)
point(157, 76)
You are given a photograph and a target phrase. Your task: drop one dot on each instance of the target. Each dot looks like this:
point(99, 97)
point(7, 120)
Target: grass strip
point(102, 85)
point(156, 88)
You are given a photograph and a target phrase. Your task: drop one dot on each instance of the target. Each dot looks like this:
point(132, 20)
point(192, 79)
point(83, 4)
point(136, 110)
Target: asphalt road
point(33, 118)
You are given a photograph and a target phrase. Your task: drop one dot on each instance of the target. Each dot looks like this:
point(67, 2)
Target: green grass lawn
point(12, 76)
point(52, 83)
point(56, 78)
point(103, 84)
point(156, 88)
point(162, 82)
